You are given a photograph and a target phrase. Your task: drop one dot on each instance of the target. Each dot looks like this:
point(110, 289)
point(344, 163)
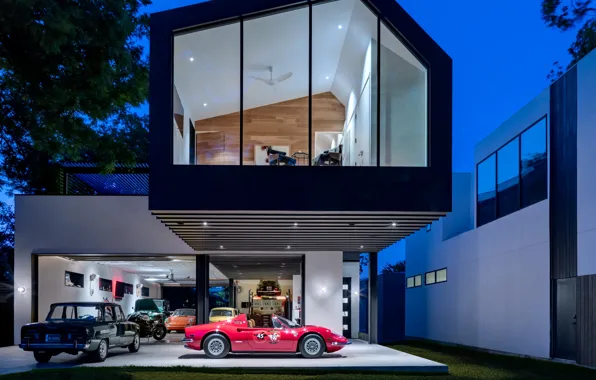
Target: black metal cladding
point(563, 176)
point(185, 187)
point(586, 320)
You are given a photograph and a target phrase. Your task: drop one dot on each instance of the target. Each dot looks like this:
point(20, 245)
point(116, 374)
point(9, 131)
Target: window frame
point(414, 279)
point(436, 280)
point(519, 175)
point(381, 20)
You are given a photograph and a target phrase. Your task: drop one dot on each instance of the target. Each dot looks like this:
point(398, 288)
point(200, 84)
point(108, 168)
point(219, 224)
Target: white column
point(323, 293)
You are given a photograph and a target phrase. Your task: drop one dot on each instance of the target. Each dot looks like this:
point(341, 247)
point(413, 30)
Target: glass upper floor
point(327, 84)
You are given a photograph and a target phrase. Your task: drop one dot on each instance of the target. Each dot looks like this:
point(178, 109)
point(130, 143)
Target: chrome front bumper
point(341, 343)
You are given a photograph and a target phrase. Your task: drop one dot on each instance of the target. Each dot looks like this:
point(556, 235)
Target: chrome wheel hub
point(103, 349)
point(216, 346)
point(312, 346)
point(137, 341)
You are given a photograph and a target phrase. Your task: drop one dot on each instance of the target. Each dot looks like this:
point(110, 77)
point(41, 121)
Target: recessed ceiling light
point(152, 279)
point(240, 273)
point(327, 77)
point(191, 59)
point(361, 246)
point(288, 247)
point(204, 223)
point(295, 224)
point(340, 26)
point(204, 104)
point(393, 224)
point(221, 247)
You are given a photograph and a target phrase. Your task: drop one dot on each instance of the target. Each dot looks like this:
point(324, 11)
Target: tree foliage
point(363, 262)
point(567, 15)
point(72, 72)
point(399, 266)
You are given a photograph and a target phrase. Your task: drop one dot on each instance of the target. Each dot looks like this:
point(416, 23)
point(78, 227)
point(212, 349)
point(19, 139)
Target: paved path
point(170, 352)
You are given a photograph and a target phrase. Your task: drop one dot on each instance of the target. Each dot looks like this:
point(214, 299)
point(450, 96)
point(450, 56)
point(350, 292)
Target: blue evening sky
point(502, 53)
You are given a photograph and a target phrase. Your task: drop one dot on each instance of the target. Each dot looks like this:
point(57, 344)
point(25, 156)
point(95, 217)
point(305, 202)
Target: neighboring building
point(353, 93)
point(513, 268)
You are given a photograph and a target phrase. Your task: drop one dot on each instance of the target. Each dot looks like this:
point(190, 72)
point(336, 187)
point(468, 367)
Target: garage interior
point(256, 285)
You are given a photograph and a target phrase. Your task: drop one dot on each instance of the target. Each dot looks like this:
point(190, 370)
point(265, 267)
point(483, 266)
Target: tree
point(363, 262)
point(71, 74)
point(399, 266)
point(572, 14)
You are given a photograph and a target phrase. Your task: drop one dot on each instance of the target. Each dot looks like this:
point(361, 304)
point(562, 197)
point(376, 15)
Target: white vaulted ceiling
point(279, 40)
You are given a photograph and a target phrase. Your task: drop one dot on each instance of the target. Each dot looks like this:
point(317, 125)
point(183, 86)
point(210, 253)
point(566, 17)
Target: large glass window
point(207, 91)
point(344, 84)
point(403, 104)
point(508, 178)
point(245, 85)
point(516, 188)
point(534, 184)
point(486, 196)
point(276, 77)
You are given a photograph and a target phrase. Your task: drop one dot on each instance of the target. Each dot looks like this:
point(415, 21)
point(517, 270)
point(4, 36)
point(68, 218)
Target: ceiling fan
point(170, 277)
point(271, 81)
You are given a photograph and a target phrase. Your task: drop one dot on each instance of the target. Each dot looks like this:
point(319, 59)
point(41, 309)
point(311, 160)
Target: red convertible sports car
point(238, 335)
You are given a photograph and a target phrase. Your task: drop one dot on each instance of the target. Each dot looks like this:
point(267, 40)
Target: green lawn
point(463, 364)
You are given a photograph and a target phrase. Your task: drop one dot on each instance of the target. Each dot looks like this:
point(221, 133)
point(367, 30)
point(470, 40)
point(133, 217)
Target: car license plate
point(53, 338)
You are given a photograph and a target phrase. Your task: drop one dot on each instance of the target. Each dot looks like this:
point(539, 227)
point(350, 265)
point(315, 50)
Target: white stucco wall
point(352, 269)
point(83, 225)
point(586, 161)
point(497, 291)
point(52, 288)
point(323, 289)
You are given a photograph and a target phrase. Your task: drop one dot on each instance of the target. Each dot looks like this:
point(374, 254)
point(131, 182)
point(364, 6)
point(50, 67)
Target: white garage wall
point(586, 159)
point(52, 288)
point(352, 269)
point(323, 289)
point(83, 225)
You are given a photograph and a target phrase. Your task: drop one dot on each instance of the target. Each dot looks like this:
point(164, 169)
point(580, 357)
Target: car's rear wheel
point(216, 346)
point(101, 353)
point(42, 356)
point(135, 345)
point(159, 333)
point(312, 346)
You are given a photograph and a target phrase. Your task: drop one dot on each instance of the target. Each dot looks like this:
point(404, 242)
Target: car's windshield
point(184, 313)
point(160, 305)
point(287, 322)
point(75, 312)
point(221, 313)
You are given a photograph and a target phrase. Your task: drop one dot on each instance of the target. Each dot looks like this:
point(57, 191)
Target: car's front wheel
point(216, 346)
point(101, 353)
point(135, 345)
point(312, 346)
point(42, 356)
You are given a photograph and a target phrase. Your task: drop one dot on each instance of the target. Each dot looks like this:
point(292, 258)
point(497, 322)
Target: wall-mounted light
point(191, 59)
point(22, 289)
point(355, 293)
point(323, 289)
point(204, 104)
point(340, 27)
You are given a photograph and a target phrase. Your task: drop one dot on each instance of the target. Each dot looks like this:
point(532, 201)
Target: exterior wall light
point(22, 289)
point(323, 289)
point(355, 293)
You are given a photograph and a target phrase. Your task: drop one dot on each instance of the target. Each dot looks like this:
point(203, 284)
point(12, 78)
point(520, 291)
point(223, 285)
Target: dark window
point(192, 159)
point(533, 164)
point(486, 197)
point(145, 292)
point(508, 178)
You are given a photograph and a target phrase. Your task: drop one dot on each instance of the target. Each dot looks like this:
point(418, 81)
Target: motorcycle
point(150, 325)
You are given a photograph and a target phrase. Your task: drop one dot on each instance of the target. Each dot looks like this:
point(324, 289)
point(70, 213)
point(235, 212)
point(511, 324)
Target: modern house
point(287, 137)
point(512, 268)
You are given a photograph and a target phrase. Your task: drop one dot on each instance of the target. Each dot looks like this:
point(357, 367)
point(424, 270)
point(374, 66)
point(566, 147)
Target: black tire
point(216, 346)
point(101, 353)
point(312, 346)
point(159, 333)
point(42, 356)
point(135, 345)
